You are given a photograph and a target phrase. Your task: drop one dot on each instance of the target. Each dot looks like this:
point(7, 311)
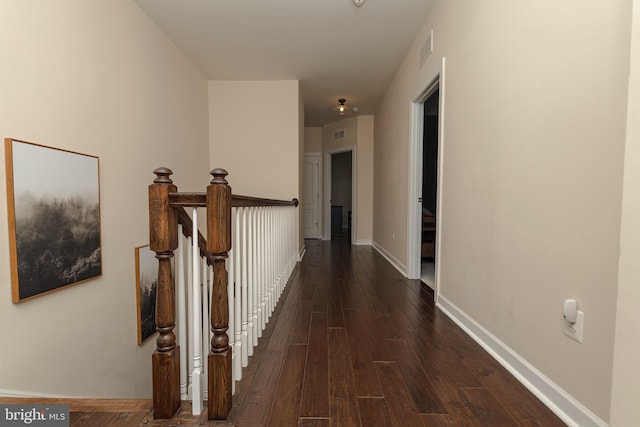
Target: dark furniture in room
point(336, 221)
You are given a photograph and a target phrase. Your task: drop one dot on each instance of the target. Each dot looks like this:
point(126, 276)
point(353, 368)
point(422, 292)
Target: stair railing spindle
point(182, 314)
point(196, 376)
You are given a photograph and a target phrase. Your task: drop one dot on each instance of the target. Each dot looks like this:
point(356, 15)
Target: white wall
point(626, 374)
point(254, 135)
point(97, 78)
point(313, 140)
point(364, 176)
point(358, 134)
point(533, 156)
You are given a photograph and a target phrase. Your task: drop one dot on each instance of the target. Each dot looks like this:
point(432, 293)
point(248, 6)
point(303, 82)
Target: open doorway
point(348, 220)
point(435, 81)
point(429, 194)
point(341, 195)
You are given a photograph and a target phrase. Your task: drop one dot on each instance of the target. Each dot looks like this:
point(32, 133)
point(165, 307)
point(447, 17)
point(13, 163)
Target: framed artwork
point(146, 289)
point(53, 200)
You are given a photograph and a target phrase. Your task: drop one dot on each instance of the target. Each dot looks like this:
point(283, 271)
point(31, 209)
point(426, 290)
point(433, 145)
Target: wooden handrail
point(246, 201)
point(181, 200)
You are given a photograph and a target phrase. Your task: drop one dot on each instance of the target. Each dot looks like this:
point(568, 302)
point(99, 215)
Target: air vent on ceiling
point(340, 134)
point(427, 48)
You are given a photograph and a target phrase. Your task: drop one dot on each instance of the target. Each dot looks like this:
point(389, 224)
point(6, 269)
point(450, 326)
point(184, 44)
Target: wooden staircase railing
point(166, 211)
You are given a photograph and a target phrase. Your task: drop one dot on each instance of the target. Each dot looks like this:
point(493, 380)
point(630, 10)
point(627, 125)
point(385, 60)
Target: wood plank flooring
point(353, 343)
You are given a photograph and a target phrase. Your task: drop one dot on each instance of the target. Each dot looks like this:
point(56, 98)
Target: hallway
point(362, 346)
point(353, 343)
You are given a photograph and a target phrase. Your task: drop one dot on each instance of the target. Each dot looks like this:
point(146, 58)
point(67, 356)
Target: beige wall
point(534, 137)
point(98, 78)
point(358, 134)
point(313, 140)
point(626, 375)
point(254, 134)
point(364, 224)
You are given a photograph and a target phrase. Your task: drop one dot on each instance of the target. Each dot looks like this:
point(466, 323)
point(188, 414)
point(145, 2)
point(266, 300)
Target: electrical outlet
point(574, 331)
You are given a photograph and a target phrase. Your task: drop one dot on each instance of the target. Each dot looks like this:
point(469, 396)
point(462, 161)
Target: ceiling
point(335, 49)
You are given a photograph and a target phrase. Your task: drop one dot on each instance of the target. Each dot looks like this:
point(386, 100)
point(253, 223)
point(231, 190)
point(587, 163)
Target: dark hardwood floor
point(353, 343)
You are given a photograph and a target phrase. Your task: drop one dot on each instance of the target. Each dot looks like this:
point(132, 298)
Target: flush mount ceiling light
point(341, 108)
point(358, 3)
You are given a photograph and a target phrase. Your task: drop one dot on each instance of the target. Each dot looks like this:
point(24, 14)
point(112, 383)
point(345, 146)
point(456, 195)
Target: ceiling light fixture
point(358, 3)
point(341, 108)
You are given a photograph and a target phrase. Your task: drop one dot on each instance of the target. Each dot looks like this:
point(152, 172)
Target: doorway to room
point(341, 195)
point(425, 129)
point(429, 194)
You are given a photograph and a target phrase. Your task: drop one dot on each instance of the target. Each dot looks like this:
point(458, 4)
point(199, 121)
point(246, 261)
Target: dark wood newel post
point(218, 246)
point(163, 237)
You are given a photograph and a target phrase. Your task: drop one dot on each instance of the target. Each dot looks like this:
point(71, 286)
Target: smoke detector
point(358, 3)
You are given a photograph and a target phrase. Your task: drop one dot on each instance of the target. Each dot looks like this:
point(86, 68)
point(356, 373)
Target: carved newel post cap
point(163, 175)
point(218, 176)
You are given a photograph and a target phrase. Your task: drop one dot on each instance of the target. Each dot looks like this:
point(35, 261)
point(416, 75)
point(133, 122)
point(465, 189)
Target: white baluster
point(230, 301)
point(206, 319)
point(278, 252)
point(189, 286)
point(261, 268)
point(265, 268)
point(280, 263)
point(258, 270)
point(276, 241)
point(182, 314)
point(249, 289)
point(237, 259)
point(196, 376)
point(295, 252)
point(291, 238)
point(254, 283)
point(276, 286)
point(272, 261)
point(245, 298)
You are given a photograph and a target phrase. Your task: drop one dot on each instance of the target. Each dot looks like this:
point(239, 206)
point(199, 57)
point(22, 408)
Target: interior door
point(311, 197)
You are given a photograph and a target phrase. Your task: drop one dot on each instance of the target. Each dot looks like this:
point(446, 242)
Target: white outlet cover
point(578, 328)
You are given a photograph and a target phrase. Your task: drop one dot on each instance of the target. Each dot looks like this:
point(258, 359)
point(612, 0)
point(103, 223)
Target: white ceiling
point(335, 49)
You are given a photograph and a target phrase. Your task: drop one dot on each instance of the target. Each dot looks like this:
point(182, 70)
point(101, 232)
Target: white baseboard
point(15, 393)
point(363, 242)
point(303, 251)
point(397, 264)
point(555, 398)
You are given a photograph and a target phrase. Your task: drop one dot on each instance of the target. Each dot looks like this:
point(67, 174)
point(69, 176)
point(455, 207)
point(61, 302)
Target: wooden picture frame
point(53, 203)
point(146, 289)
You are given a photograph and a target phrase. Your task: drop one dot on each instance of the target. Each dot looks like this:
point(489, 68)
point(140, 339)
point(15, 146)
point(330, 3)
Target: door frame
point(326, 235)
point(319, 207)
point(435, 78)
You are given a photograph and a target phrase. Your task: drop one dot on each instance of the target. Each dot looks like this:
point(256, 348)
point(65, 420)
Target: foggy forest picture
point(147, 287)
point(54, 202)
